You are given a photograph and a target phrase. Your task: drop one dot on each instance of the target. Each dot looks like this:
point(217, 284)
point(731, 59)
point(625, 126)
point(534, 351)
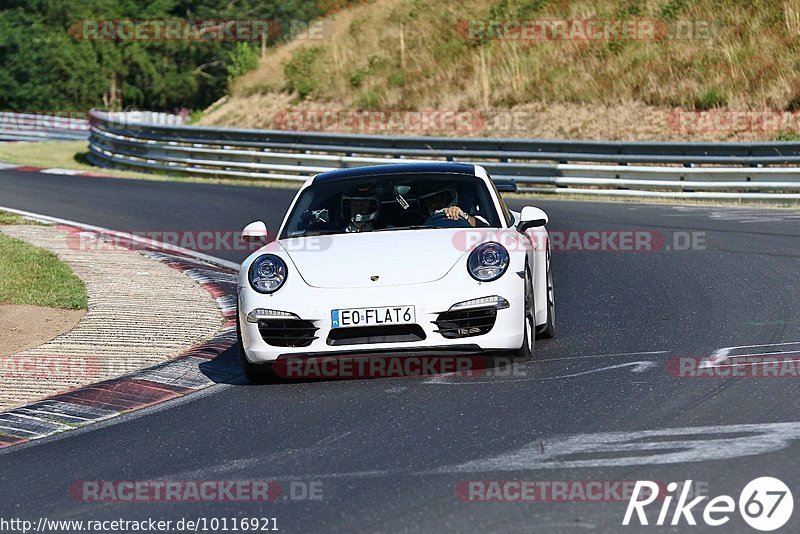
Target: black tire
point(525, 352)
point(548, 330)
point(256, 373)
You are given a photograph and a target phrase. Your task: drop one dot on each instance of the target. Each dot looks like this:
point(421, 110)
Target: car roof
point(397, 168)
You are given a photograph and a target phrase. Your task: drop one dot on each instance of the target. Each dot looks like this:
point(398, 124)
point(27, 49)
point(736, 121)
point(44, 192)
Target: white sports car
point(421, 258)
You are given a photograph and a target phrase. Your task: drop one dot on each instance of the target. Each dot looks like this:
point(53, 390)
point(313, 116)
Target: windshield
point(390, 202)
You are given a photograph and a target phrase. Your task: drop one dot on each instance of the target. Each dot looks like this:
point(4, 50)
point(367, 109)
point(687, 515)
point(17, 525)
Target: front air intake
point(287, 332)
point(361, 335)
point(466, 323)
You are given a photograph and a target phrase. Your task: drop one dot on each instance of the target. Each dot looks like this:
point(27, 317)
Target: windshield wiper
point(312, 233)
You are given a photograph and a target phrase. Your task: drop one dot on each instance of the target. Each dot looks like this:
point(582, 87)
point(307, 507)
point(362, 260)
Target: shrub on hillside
point(709, 100)
point(300, 71)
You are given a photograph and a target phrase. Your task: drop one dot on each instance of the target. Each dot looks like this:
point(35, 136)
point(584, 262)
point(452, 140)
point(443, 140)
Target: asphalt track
point(391, 452)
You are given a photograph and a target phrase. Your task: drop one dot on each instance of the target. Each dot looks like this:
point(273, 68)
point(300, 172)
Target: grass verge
point(30, 275)
point(11, 218)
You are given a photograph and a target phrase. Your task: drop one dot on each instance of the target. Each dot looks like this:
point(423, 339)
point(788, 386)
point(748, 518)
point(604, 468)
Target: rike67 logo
point(765, 504)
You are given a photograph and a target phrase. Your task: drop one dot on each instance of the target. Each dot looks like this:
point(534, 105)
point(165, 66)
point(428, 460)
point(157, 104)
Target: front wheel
point(525, 352)
point(256, 373)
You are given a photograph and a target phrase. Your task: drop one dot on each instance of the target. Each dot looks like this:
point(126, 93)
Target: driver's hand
point(454, 213)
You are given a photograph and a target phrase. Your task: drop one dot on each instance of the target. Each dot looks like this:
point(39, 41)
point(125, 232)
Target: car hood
point(395, 257)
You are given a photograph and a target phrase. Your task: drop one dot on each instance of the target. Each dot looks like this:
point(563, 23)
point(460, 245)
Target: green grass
point(11, 218)
point(709, 100)
point(72, 155)
point(300, 71)
point(30, 275)
point(787, 136)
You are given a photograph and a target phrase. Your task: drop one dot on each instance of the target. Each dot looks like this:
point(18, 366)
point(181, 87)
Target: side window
point(506, 213)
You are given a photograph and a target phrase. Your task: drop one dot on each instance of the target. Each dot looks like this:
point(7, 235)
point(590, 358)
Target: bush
point(787, 136)
point(195, 116)
point(300, 71)
point(357, 77)
point(397, 78)
point(632, 10)
point(670, 10)
point(520, 9)
point(355, 27)
point(241, 60)
point(375, 62)
point(794, 103)
point(710, 99)
point(369, 99)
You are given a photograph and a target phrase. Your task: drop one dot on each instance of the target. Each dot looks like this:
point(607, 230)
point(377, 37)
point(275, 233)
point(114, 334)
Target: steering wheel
point(440, 220)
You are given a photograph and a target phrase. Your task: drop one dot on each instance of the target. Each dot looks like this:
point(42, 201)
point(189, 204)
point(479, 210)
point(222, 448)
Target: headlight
point(488, 262)
point(267, 273)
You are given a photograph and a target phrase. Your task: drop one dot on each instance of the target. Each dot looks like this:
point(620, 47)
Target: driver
point(360, 212)
point(446, 201)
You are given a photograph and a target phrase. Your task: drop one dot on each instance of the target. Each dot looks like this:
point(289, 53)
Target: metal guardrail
point(39, 127)
point(42, 127)
point(147, 117)
point(700, 170)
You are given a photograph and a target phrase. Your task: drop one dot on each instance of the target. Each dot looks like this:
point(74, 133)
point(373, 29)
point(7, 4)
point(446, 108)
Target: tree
point(48, 65)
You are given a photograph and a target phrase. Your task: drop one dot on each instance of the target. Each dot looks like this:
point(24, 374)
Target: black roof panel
point(397, 168)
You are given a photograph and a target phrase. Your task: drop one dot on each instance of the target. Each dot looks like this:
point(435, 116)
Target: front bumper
point(429, 299)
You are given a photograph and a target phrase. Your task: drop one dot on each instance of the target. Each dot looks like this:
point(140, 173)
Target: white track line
point(724, 354)
point(124, 235)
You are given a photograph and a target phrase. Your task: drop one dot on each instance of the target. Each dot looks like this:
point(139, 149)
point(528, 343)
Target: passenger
point(445, 201)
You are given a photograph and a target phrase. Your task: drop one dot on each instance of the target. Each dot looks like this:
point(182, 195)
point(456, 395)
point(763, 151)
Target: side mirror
point(255, 232)
point(531, 217)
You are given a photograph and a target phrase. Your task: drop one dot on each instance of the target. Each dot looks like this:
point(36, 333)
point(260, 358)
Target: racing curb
point(44, 170)
point(191, 371)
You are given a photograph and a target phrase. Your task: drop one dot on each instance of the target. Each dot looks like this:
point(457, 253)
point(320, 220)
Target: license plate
point(373, 316)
